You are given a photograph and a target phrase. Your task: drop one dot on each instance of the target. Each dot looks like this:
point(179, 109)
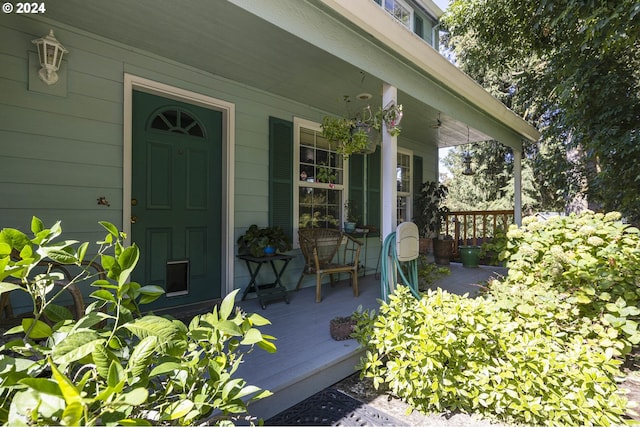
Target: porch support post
point(517, 179)
point(389, 164)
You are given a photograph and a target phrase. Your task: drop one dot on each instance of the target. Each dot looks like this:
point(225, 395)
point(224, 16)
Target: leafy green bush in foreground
point(584, 269)
point(543, 347)
point(114, 366)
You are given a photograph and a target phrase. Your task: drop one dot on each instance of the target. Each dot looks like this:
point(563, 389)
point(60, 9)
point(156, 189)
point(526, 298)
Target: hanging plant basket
point(362, 133)
point(373, 137)
point(392, 116)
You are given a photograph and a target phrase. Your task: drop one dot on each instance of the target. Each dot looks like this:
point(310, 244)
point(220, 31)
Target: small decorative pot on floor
point(341, 328)
point(469, 255)
point(425, 245)
point(442, 251)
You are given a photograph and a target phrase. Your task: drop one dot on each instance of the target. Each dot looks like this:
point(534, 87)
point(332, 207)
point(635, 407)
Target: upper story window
point(401, 11)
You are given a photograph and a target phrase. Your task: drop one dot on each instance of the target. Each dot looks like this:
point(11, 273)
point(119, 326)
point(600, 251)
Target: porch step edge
point(291, 392)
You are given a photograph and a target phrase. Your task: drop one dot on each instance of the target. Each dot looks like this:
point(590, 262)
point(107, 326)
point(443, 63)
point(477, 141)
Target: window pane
point(320, 187)
point(323, 157)
point(403, 172)
point(319, 207)
point(403, 178)
point(323, 143)
point(178, 122)
point(318, 163)
point(399, 11)
point(402, 212)
point(307, 137)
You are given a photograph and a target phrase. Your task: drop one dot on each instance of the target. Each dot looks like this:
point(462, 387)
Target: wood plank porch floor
point(308, 359)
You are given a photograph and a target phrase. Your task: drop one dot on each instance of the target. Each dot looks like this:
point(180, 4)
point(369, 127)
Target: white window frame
point(408, 196)
point(403, 5)
point(298, 124)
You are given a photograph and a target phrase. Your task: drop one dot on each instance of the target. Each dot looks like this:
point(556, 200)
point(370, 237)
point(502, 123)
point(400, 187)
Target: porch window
point(401, 11)
point(320, 182)
point(403, 182)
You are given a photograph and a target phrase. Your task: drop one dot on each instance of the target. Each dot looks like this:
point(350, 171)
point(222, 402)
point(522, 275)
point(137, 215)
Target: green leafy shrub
point(450, 352)
point(543, 346)
point(494, 247)
point(592, 261)
point(114, 366)
point(429, 272)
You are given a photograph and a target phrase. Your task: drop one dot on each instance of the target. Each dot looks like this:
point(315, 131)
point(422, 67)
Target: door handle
point(134, 219)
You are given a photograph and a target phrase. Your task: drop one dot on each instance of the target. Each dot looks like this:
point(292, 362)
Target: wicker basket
point(341, 328)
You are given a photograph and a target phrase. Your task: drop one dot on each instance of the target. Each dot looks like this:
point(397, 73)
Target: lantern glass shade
point(50, 53)
point(466, 160)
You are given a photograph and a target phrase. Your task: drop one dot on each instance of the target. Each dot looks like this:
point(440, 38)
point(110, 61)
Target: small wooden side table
point(268, 291)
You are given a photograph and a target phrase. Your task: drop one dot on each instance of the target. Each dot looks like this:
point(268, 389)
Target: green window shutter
point(280, 174)
point(379, 2)
point(417, 176)
point(418, 26)
point(356, 184)
point(373, 189)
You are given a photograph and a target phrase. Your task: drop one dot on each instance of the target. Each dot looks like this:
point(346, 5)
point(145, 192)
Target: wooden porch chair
point(320, 248)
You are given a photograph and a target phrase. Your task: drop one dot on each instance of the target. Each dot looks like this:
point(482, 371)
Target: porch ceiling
point(225, 40)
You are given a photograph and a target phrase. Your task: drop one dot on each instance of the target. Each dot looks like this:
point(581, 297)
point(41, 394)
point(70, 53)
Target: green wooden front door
point(176, 198)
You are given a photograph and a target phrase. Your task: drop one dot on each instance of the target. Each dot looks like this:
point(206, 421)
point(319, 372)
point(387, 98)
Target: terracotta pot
point(442, 251)
point(426, 245)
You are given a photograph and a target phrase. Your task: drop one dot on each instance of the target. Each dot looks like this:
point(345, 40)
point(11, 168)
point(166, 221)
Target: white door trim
point(131, 83)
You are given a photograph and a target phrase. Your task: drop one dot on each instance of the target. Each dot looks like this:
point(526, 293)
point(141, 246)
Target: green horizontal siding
point(36, 122)
point(29, 146)
point(65, 152)
point(74, 105)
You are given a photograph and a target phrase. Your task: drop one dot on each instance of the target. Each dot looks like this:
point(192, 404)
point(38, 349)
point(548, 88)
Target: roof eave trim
point(426, 58)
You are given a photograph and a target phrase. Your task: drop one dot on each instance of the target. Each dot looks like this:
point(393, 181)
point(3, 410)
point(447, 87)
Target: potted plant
point(391, 116)
point(325, 174)
point(443, 249)
point(429, 213)
point(351, 216)
point(348, 135)
point(259, 242)
point(361, 134)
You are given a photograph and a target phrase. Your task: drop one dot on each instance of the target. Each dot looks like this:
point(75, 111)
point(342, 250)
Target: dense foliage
point(542, 347)
point(591, 264)
point(491, 186)
point(113, 365)
point(572, 68)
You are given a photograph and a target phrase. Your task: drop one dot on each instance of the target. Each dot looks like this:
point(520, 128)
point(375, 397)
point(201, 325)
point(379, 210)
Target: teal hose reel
point(400, 252)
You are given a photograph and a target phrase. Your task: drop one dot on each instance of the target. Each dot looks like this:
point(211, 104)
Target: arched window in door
point(178, 121)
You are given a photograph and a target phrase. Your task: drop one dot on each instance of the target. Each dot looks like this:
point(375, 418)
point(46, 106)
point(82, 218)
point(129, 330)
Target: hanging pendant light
point(466, 158)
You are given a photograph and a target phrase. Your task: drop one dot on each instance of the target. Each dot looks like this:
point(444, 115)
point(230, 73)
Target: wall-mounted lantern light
point(50, 53)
